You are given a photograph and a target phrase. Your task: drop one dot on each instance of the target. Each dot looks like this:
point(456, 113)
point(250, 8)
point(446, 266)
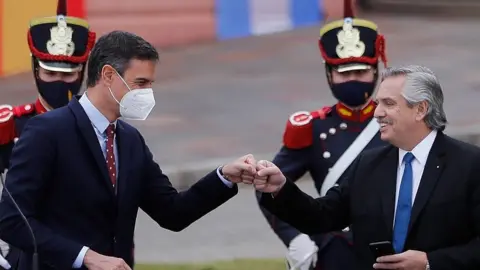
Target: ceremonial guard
point(324, 142)
point(60, 46)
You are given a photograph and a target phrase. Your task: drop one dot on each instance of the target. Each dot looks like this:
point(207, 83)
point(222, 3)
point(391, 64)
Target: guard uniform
point(313, 141)
point(12, 121)
point(57, 44)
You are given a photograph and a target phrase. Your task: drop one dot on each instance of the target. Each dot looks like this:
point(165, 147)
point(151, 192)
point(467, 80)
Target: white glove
point(4, 248)
point(302, 253)
point(4, 263)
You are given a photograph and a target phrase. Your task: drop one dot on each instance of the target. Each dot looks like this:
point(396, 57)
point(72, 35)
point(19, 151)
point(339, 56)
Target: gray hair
point(421, 84)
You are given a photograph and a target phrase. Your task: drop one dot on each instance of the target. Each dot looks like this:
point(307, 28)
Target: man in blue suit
point(79, 174)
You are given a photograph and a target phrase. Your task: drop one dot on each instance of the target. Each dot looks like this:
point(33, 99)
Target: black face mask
point(56, 94)
point(353, 93)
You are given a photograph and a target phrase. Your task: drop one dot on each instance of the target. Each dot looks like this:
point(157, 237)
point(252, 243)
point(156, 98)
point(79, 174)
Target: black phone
point(380, 249)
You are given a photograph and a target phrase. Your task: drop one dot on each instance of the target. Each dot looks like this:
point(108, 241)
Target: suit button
point(114, 240)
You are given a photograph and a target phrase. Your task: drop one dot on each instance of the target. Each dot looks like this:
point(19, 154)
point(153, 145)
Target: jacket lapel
point(91, 139)
point(388, 190)
point(431, 173)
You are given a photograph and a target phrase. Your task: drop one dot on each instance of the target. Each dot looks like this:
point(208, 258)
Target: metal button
point(323, 136)
point(343, 126)
point(326, 154)
point(332, 131)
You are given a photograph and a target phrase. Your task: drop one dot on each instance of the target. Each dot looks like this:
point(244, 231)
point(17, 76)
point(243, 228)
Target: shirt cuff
point(79, 261)
point(225, 181)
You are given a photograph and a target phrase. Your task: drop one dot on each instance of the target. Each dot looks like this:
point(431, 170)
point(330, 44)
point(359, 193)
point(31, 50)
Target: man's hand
point(269, 178)
point(95, 261)
point(408, 260)
point(241, 170)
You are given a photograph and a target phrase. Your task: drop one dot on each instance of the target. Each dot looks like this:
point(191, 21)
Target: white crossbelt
point(349, 155)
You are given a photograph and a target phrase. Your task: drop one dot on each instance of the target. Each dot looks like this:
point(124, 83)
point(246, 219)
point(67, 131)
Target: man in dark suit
point(421, 193)
point(79, 174)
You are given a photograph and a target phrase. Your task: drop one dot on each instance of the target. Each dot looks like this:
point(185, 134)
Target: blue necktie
point(404, 205)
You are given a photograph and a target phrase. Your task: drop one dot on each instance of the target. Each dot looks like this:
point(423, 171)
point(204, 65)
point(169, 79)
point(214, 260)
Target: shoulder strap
point(349, 155)
point(322, 113)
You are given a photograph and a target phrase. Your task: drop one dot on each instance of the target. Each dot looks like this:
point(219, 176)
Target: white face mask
point(136, 104)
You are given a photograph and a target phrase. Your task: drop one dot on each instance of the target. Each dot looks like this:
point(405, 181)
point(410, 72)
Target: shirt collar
point(99, 121)
point(421, 151)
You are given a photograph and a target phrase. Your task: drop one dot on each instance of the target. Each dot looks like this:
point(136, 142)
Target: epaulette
point(23, 110)
point(299, 129)
point(7, 120)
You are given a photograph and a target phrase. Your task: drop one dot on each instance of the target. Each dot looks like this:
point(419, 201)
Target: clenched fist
point(269, 178)
point(241, 170)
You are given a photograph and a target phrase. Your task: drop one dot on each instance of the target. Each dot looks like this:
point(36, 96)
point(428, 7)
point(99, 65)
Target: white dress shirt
point(420, 152)
point(100, 124)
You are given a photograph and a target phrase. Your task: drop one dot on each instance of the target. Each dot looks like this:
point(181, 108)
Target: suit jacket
point(58, 176)
point(445, 219)
point(294, 162)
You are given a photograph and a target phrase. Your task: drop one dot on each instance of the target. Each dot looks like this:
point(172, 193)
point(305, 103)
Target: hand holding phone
point(380, 249)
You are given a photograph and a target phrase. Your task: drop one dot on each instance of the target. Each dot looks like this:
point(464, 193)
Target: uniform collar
point(39, 108)
point(356, 115)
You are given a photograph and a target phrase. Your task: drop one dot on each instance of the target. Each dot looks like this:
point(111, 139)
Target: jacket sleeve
point(32, 158)
point(175, 210)
point(313, 216)
point(294, 163)
point(7, 135)
point(5, 151)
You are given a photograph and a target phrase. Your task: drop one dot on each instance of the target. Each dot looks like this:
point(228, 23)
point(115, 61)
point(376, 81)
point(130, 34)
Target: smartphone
point(380, 249)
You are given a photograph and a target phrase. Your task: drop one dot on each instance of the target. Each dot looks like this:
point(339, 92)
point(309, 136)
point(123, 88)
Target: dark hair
point(117, 48)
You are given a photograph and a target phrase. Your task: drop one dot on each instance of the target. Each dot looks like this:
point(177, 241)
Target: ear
point(107, 74)
point(422, 109)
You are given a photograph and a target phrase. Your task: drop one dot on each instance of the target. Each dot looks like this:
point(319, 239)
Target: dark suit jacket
point(445, 219)
point(59, 178)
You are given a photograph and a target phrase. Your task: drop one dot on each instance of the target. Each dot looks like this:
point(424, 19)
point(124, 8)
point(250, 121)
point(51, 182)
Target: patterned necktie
point(404, 205)
point(112, 170)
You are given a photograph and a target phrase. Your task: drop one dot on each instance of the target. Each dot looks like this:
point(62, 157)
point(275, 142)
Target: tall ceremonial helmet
point(59, 44)
point(351, 44)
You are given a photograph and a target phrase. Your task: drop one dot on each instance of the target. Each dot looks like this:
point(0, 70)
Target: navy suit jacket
point(58, 177)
